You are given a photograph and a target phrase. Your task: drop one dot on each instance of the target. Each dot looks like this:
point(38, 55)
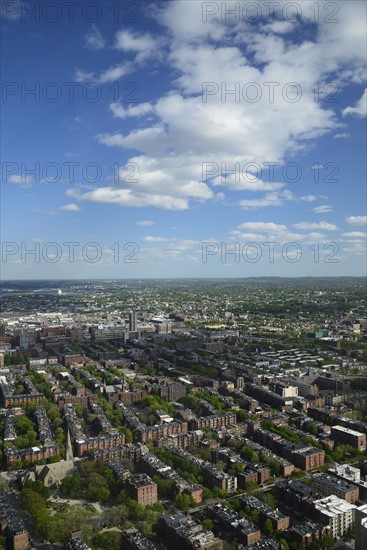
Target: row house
point(101, 420)
point(211, 475)
point(301, 455)
point(127, 397)
point(326, 485)
point(214, 421)
point(10, 432)
point(45, 434)
point(352, 476)
point(66, 398)
point(109, 440)
point(245, 401)
point(286, 467)
point(244, 531)
point(279, 521)
point(295, 497)
point(264, 395)
point(74, 423)
point(91, 381)
point(162, 430)
point(181, 532)
point(337, 421)
point(133, 539)
point(131, 420)
point(12, 526)
point(31, 455)
point(9, 398)
point(118, 453)
point(151, 465)
point(308, 532)
point(181, 440)
point(253, 473)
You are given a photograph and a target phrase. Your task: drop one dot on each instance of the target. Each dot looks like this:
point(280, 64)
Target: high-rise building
point(133, 322)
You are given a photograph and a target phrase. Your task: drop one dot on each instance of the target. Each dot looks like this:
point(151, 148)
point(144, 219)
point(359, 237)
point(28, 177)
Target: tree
point(184, 502)
point(207, 494)
point(221, 465)
point(207, 524)
point(268, 499)
point(136, 511)
point(221, 493)
point(166, 487)
point(249, 454)
point(97, 488)
point(23, 424)
point(268, 527)
point(236, 468)
point(71, 486)
point(190, 401)
point(122, 497)
point(128, 435)
point(156, 507)
point(109, 540)
point(326, 541)
point(274, 468)
point(78, 409)
point(284, 544)
point(39, 488)
point(312, 429)
point(97, 494)
point(241, 416)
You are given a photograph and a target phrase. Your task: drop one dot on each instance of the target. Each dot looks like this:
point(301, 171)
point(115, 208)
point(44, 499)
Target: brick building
point(142, 489)
point(279, 521)
point(181, 532)
point(326, 485)
point(162, 430)
point(213, 421)
point(109, 440)
point(31, 455)
point(308, 459)
point(346, 436)
point(12, 526)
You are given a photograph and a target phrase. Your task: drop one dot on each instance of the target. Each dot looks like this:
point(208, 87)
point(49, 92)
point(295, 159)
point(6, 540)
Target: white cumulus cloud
point(360, 108)
point(71, 207)
point(356, 220)
point(320, 225)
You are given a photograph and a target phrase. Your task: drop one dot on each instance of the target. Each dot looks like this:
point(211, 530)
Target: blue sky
point(187, 131)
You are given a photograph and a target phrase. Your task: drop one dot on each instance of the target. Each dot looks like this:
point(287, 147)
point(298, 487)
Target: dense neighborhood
point(184, 414)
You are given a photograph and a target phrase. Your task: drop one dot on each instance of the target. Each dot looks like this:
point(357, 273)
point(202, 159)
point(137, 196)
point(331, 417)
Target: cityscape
point(183, 275)
point(210, 414)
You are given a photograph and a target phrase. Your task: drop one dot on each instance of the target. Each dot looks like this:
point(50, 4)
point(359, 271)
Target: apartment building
point(346, 436)
point(142, 489)
point(336, 513)
point(326, 485)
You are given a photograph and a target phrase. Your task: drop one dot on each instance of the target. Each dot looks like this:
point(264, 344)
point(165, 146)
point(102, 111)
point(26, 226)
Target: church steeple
point(69, 448)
